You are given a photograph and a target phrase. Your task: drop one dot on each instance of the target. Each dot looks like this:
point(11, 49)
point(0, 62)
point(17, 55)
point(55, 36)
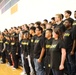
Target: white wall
point(33, 10)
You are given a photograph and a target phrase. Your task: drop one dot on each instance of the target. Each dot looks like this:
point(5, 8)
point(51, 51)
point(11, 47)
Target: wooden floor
point(8, 70)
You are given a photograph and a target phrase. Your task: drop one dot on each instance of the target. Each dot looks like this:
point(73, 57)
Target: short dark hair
point(38, 23)
point(25, 24)
point(69, 20)
point(6, 30)
point(40, 28)
point(53, 18)
point(69, 12)
point(45, 20)
point(43, 25)
point(75, 11)
point(50, 22)
point(33, 28)
point(20, 28)
point(11, 27)
point(50, 30)
point(32, 24)
point(25, 32)
point(27, 27)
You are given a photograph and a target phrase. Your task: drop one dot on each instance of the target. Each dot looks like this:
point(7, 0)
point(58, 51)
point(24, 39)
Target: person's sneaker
point(14, 68)
point(23, 73)
point(1, 62)
point(0, 59)
point(8, 64)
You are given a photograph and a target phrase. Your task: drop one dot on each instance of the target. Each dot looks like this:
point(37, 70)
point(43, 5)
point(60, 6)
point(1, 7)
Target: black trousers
point(26, 65)
point(3, 57)
point(0, 54)
point(15, 60)
point(8, 57)
point(48, 70)
point(32, 63)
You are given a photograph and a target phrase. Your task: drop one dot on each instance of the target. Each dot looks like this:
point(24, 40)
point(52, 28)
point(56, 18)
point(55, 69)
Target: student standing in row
point(74, 31)
point(32, 32)
point(48, 42)
point(69, 39)
point(74, 24)
point(59, 23)
point(8, 50)
point(58, 53)
point(39, 51)
point(25, 47)
point(14, 51)
point(67, 15)
point(2, 49)
point(22, 57)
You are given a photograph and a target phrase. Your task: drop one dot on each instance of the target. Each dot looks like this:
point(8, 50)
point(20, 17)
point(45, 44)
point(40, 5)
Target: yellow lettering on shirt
point(74, 23)
point(24, 43)
point(48, 46)
point(32, 40)
point(6, 43)
point(49, 65)
point(66, 34)
point(53, 46)
point(12, 43)
point(36, 41)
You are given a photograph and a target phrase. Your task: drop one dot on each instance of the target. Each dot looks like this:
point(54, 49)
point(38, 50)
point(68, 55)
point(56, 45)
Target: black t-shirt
point(43, 33)
point(61, 27)
point(74, 28)
point(56, 47)
point(25, 47)
point(7, 45)
point(54, 25)
point(48, 46)
point(14, 47)
point(68, 39)
point(38, 45)
point(1, 45)
point(32, 45)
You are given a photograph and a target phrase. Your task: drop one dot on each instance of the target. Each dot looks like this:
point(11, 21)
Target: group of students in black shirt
point(44, 48)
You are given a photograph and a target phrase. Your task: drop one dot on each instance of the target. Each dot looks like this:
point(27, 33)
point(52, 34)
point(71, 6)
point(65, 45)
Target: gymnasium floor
point(8, 70)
